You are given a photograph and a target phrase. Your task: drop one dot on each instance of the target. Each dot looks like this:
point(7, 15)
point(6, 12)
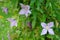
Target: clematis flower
point(5, 9)
point(47, 27)
point(12, 22)
point(25, 9)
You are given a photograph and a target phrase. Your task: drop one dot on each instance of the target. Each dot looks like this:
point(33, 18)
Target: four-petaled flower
point(25, 9)
point(12, 21)
point(47, 27)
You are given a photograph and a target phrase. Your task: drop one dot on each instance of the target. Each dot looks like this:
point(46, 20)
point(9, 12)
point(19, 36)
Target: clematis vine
point(25, 10)
point(5, 9)
point(47, 27)
point(12, 21)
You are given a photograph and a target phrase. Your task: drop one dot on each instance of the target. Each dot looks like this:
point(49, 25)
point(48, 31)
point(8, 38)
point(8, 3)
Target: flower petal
point(22, 5)
point(51, 24)
point(10, 19)
point(29, 11)
point(51, 31)
point(43, 25)
point(28, 7)
point(44, 31)
point(14, 23)
point(26, 15)
point(22, 11)
point(5, 9)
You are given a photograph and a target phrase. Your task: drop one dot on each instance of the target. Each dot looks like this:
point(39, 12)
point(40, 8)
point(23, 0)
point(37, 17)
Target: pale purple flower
point(25, 10)
point(5, 9)
point(12, 21)
point(47, 27)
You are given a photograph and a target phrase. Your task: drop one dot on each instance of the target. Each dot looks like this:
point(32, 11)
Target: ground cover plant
point(29, 19)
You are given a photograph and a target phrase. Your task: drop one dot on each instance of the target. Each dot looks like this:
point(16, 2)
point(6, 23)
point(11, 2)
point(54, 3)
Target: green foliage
point(41, 11)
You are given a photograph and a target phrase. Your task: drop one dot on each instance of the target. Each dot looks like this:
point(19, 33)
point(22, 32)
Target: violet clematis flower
point(12, 22)
point(25, 9)
point(47, 27)
point(5, 9)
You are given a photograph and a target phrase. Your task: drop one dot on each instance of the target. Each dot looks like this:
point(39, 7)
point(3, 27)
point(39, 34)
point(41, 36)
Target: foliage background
point(42, 11)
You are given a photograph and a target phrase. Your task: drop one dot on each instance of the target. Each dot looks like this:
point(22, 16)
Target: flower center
point(47, 27)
